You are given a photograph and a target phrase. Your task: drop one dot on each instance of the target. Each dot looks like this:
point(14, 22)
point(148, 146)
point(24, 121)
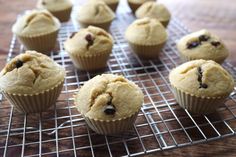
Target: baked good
point(37, 30)
point(109, 103)
point(154, 10)
point(32, 82)
point(135, 4)
point(112, 4)
point(200, 86)
point(59, 8)
point(89, 48)
point(146, 37)
point(95, 13)
point(202, 45)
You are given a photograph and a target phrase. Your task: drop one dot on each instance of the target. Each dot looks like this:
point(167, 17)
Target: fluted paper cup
point(35, 103)
point(187, 58)
point(111, 127)
point(62, 15)
point(91, 62)
point(147, 51)
point(195, 104)
point(105, 25)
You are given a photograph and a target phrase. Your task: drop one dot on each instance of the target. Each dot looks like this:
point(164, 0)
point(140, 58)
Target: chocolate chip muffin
point(32, 82)
point(89, 48)
point(202, 45)
point(146, 37)
point(135, 4)
point(59, 8)
point(154, 10)
point(37, 30)
point(200, 86)
point(109, 103)
point(112, 4)
point(95, 13)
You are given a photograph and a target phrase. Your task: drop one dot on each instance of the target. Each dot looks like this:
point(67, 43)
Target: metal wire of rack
point(161, 123)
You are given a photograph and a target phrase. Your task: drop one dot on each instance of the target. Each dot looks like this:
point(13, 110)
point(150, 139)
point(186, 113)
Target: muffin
point(135, 4)
point(32, 82)
point(202, 45)
point(146, 37)
point(109, 103)
point(37, 30)
point(89, 48)
point(95, 13)
point(154, 10)
point(201, 86)
point(59, 8)
point(112, 4)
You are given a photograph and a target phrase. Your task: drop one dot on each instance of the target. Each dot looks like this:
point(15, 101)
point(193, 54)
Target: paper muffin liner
point(113, 6)
point(92, 62)
point(195, 104)
point(105, 25)
point(62, 15)
point(111, 127)
point(187, 58)
point(147, 51)
point(35, 103)
point(133, 6)
point(42, 43)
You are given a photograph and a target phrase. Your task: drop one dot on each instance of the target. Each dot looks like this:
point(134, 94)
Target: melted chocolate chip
point(215, 43)
point(72, 34)
point(89, 39)
point(19, 64)
point(43, 3)
point(193, 44)
point(201, 85)
point(110, 110)
point(203, 38)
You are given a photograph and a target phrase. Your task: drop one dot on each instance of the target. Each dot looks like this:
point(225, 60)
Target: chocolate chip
point(110, 109)
point(72, 34)
point(203, 85)
point(43, 3)
point(193, 44)
point(19, 63)
point(89, 39)
point(215, 43)
point(203, 38)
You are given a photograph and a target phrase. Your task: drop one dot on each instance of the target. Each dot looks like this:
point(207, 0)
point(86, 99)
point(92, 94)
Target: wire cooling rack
point(161, 123)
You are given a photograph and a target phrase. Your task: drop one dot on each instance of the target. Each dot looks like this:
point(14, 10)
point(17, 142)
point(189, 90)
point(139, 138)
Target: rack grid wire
point(161, 123)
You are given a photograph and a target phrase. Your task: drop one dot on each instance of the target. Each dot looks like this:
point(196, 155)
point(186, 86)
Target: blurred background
point(219, 16)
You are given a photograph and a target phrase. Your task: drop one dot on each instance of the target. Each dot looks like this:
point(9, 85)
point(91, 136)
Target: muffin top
point(146, 31)
point(202, 45)
point(54, 5)
point(95, 12)
point(153, 10)
point(109, 97)
point(139, 1)
point(36, 22)
point(89, 41)
point(30, 73)
point(202, 78)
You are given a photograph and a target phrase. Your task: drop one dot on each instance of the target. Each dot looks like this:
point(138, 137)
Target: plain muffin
point(32, 81)
point(59, 8)
point(37, 30)
point(109, 103)
point(89, 48)
point(201, 86)
point(202, 45)
point(95, 13)
point(154, 10)
point(135, 4)
point(146, 37)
